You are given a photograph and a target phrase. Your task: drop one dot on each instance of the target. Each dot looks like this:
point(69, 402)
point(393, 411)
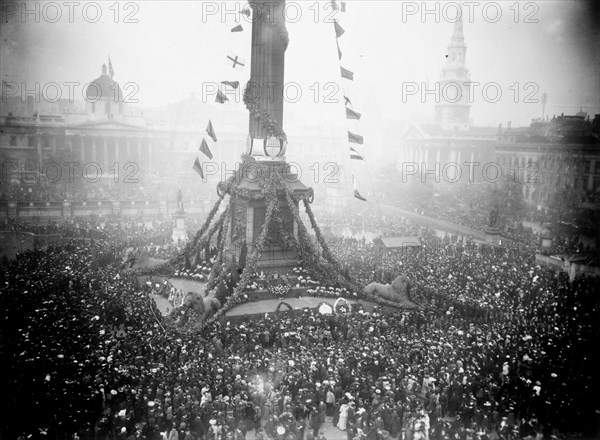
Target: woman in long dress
point(343, 416)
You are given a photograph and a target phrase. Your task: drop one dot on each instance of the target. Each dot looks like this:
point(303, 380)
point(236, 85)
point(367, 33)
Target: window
point(13, 141)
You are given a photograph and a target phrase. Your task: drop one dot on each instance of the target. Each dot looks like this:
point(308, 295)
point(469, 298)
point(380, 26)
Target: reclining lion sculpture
point(398, 291)
point(204, 308)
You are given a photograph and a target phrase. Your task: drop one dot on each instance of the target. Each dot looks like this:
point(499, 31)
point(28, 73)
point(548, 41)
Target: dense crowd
point(148, 189)
point(501, 349)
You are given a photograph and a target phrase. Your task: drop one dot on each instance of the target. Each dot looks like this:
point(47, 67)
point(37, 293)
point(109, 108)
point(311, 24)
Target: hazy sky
point(175, 47)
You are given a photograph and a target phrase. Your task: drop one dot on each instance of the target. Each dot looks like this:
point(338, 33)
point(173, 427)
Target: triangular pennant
point(236, 62)
point(355, 138)
point(351, 114)
point(204, 149)
point(339, 31)
point(232, 84)
point(343, 6)
point(347, 74)
point(339, 51)
point(356, 155)
point(238, 28)
point(198, 167)
point(347, 100)
point(221, 98)
point(358, 196)
point(356, 193)
point(211, 131)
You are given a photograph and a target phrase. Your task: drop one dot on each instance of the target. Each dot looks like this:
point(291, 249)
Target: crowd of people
point(501, 348)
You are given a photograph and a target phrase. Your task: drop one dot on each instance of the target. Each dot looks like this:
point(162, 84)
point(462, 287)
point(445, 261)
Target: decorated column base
point(249, 208)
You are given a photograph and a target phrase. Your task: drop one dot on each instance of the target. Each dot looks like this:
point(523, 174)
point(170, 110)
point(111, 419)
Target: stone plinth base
point(180, 231)
point(492, 235)
point(546, 242)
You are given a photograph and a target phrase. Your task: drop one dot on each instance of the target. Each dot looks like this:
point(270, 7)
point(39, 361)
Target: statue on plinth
point(494, 217)
point(179, 200)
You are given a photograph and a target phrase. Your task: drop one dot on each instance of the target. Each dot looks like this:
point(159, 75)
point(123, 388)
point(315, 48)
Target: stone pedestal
point(546, 241)
point(180, 230)
point(248, 214)
point(492, 235)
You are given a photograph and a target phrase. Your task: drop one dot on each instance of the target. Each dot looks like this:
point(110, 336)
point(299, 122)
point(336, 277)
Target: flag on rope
point(351, 114)
point(211, 131)
point(232, 84)
point(356, 193)
point(204, 149)
point(238, 28)
point(111, 71)
point(198, 167)
point(237, 62)
point(221, 98)
point(339, 51)
point(339, 31)
point(347, 100)
point(356, 155)
point(355, 138)
point(347, 74)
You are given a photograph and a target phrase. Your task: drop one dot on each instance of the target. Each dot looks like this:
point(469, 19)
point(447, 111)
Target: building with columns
point(108, 135)
point(551, 155)
point(444, 146)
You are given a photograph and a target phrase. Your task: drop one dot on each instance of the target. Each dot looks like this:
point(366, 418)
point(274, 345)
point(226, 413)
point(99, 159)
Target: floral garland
point(261, 12)
point(238, 295)
point(322, 242)
point(271, 126)
point(217, 270)
point(191, 245)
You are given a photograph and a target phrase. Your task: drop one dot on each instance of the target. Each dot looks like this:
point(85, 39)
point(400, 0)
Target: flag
point(238, 28)
point(198, 167)
point(204, 149)
point(356, 155)
point(343, 6)
point(355, 138)
point(347, 74)
point(211, 132)
point(111, 71)
point(339, 31)
point(339, 51)
point(347, 100)
point(232, 84)
point(237, 62)
point(221, 98)
point(351, 114)
point(356, 193)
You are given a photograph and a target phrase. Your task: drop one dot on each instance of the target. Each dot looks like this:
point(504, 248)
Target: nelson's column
point(265, 153)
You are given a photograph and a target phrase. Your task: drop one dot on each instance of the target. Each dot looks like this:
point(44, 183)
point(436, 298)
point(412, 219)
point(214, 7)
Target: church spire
point(452, 112)
point(458, 38)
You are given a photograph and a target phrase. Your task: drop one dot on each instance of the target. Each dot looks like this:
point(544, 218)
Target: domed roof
point(104, 88)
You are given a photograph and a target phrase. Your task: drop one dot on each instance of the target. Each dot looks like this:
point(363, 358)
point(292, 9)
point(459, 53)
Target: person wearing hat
point(170, 433)
point(343, 415)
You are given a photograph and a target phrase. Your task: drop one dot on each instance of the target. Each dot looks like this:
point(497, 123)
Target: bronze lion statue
point(204, 308)
point(398, 291)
